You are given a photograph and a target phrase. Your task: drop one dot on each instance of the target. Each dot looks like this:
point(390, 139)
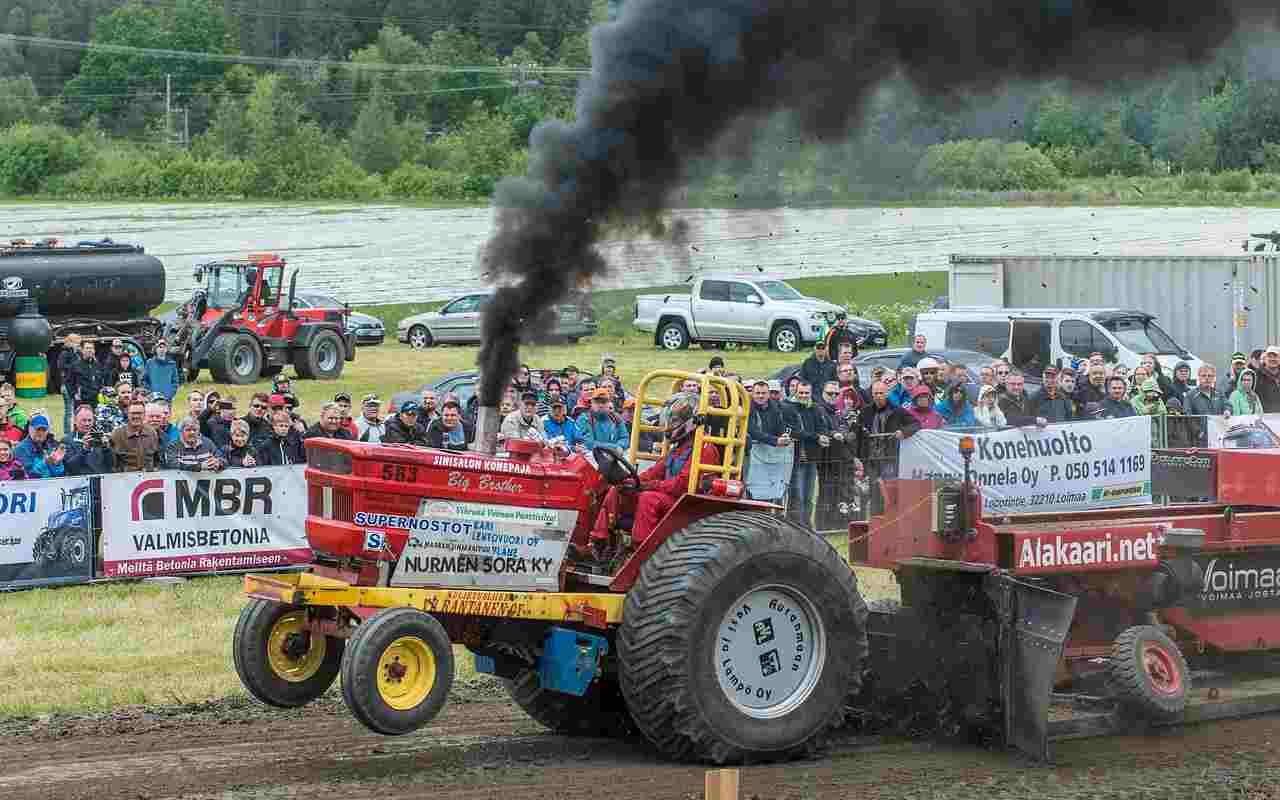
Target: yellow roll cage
point(733, 404)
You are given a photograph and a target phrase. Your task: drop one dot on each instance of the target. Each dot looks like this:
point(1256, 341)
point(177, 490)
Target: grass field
point(94, 648)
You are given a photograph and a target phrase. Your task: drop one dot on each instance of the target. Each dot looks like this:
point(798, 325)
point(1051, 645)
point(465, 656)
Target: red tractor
point(729, 633)
point(242, 328)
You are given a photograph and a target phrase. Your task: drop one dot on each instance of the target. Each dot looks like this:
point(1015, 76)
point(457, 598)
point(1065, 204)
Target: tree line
point(434, 100)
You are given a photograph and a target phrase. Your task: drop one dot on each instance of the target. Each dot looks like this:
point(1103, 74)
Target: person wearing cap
point(524, 422)
point(135, 444)
point(1267, 381)
point(161, 373)
point(716, 365)
point(403, 427)
point(371, 427)
point(1053, 404)
point(279, 402)
point(1227, 384)
point(818, 368)
point(284, 445)
point(328, 427)
point(775, 390)
point(108, 357)
point(1181, 383)
point(840, 335)
point(343, 399)
point(930, 377)
point(559, 425)
point(1149, 401)
point(908, 380)
point(192, 452)
point(40, 454)
point(608, 378)
point(601, 426)
point(1204, 399)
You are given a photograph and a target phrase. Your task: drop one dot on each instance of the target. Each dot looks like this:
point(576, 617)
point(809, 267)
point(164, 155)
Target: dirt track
point(235, 750)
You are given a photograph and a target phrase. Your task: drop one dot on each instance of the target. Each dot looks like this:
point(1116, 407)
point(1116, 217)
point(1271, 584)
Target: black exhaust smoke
point(670, 77)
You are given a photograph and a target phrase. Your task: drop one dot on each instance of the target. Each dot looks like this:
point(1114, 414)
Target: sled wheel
point(1149, 673)
point(397, 670)
point(752, 660)
point(278, 660)
point(600, 712)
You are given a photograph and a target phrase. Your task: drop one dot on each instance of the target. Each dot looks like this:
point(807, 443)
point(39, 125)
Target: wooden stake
point(722, 784)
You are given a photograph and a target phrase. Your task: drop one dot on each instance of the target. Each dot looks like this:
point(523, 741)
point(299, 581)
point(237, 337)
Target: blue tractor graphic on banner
point(66, 537)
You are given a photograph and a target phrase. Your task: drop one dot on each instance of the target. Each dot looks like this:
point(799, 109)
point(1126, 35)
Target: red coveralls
point(661, 490)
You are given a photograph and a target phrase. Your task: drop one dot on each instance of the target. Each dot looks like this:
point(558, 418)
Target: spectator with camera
point(193, 452)
point(88, 446)
point(40, 454)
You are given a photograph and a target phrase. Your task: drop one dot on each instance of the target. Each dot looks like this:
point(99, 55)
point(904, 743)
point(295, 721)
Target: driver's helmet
point(678, 414)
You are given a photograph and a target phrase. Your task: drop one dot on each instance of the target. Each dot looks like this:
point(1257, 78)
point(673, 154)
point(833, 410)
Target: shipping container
point(1212, 305)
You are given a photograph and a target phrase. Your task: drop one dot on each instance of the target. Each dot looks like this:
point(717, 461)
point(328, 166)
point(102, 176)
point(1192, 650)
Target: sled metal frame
point(593, 609)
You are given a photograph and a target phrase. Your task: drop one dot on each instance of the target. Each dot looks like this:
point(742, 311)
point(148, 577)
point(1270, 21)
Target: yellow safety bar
point(734, 404)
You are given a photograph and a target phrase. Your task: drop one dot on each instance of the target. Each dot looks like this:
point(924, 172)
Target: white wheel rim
point(671, 339)
point(417, 338)
point(770, 650)
point(786, 341)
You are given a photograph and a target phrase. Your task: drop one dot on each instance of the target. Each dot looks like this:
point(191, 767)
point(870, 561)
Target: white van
point(1030, 338)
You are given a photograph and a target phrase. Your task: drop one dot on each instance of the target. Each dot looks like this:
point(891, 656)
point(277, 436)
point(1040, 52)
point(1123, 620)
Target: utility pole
point(186, 126)
point(168, 108)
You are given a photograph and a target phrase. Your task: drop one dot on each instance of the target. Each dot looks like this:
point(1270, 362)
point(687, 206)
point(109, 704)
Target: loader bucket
point(1033, 629)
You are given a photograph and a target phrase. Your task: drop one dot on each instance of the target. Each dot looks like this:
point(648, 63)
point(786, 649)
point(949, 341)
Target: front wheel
point(785, 338)
point(420, 338)
point(397, 670)
point(278, 660)
point(235, 358)
point(754, 660)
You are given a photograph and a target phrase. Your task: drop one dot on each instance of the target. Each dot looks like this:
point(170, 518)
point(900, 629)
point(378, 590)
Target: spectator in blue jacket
point(40, 454)
point(601, 426)
point(559, 424)
point(161, 374)
point(955, 407)
point(908, 379)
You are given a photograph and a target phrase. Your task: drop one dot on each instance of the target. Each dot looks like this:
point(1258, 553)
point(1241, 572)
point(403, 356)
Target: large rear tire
point(602, 711)
point(397, 670)
point(235, 358)
point(1149, 674)
point(322, 359)
point(278, 660)
point(741, 640)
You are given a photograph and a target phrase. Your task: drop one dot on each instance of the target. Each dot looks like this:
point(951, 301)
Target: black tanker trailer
point(100, 290)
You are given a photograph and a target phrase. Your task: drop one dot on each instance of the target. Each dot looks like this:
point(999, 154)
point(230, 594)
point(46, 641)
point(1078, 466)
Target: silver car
point(458, 322)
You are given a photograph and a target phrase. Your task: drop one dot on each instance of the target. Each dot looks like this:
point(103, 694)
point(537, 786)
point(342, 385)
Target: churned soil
point(483, 747)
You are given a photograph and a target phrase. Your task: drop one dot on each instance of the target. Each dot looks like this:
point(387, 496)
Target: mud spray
point(670, 77)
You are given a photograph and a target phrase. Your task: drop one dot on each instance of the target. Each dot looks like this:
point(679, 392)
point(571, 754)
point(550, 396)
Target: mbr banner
point(45, 532)
point(170, 523)
point(1060, 467)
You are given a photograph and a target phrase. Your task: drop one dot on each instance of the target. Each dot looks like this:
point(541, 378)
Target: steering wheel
point(609, 458)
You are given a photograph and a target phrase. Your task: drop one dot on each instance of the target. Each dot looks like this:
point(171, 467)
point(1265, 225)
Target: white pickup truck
point(745, 309)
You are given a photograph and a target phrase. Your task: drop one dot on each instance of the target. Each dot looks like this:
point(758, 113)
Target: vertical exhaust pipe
point(488, 423)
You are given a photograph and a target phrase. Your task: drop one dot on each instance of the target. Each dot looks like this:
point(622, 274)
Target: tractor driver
point(660, 486)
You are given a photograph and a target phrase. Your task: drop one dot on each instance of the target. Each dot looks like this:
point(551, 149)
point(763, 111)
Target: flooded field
point(386, 254)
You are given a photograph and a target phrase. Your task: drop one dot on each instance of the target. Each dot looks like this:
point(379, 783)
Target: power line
point(353, 95)
point(154, 52)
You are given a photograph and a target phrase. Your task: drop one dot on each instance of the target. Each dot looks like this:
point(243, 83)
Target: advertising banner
point(1032, 470)
point(45, 532)
point(457, 544)
point(1238, 582)
point(172, 523)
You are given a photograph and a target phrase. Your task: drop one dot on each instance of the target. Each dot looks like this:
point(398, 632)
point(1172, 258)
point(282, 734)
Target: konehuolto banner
point(173, 523)
point(1056, 468)
point(45, 532)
